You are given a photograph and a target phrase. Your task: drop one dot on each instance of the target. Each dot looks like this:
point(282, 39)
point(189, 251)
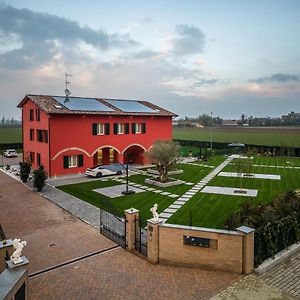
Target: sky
point(191, 57)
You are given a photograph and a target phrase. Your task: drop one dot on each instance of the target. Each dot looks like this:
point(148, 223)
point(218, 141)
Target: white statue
point(154, 212)
point(16, 256)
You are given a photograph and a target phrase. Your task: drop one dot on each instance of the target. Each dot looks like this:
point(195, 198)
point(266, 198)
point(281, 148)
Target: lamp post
point(127, 191)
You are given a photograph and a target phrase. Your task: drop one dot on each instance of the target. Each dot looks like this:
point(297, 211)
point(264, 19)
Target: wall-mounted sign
point(196, 241)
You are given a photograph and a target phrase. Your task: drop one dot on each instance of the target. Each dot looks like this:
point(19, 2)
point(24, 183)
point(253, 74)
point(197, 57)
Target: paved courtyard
point(111, 274)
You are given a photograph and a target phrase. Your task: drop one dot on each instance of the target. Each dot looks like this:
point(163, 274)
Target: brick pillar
point(153, 240)
point(131, 215)
point(248, 249)
point(7, 247)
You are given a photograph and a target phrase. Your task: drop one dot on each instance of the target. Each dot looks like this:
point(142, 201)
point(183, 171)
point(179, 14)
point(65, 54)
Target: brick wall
point(225, 252)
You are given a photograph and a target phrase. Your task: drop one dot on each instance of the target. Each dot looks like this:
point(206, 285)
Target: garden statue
point(16, 256)
point(154, 212)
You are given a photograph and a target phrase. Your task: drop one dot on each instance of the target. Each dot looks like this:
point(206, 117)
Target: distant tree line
point(8, 121)
point(205, 120)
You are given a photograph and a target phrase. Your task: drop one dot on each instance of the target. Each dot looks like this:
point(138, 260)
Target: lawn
point(208, 210)
point(271, 136)
point(10, 135)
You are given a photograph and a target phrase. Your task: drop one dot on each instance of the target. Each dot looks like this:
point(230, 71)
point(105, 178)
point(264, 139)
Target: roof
point(99, 106)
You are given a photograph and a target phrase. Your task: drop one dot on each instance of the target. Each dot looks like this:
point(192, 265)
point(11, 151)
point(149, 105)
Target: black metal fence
point(113, 227)
point(140, 237)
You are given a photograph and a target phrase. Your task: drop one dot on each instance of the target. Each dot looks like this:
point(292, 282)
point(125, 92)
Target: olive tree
point(164, 155)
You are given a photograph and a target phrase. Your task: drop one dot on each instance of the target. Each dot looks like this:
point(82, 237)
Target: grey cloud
point(203, 81)
point(191, 40)
point(278, 77)
point(144, 54)
point(38, 33)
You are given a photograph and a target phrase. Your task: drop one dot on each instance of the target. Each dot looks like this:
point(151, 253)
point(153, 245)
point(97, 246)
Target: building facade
point(68, 135)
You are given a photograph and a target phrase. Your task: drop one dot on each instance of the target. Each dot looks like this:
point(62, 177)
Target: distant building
point(230, 122)
point(68, 135)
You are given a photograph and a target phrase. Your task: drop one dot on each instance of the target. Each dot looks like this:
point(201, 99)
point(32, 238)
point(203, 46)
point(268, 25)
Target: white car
point(104, 170)
point(10, 153)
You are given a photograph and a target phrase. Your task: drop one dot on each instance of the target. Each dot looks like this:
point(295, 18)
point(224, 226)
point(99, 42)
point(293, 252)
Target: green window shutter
point(143, 127)
point(80, 160)
point(115, 128)
point(46, 136)
point(126, 128)
point(66, 162)
point(94, 129)
point(107, 129)
point(133, 128)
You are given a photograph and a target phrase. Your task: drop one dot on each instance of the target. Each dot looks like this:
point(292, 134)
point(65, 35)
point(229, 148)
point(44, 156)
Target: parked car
point(104, 170)
point(10, 153)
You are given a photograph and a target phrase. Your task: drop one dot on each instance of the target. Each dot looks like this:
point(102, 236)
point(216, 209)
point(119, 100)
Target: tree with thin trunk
point(164, 155)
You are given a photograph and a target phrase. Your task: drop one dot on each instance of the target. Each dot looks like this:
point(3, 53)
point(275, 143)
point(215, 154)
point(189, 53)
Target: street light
point(127, 191)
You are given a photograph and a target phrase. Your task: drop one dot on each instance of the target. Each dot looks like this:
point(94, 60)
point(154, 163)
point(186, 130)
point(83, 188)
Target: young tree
point(39, 178)
point(164, 155)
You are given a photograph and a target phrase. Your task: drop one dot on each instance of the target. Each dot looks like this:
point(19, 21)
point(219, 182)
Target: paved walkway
point(286, 276)
point(112, 274)
point(172, 209)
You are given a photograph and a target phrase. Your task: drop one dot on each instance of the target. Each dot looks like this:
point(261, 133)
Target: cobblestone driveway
point(115, 274)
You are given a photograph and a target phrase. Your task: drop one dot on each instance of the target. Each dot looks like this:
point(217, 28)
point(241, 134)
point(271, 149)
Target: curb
point(280, 257)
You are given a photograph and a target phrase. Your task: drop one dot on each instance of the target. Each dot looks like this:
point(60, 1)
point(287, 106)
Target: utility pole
point(211, 149)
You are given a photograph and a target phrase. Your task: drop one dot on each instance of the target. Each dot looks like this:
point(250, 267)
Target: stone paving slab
point(170, 210)
point(116, 190)
point(220, 190)
point(175, 206)
point(173, 196)
point(254, 175)
point(165, 215)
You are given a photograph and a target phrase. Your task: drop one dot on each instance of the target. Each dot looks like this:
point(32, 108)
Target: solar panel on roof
point(130, 106)
point(86, 104)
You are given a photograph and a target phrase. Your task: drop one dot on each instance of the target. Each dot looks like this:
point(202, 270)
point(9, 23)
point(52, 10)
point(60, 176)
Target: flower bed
point(163, 184)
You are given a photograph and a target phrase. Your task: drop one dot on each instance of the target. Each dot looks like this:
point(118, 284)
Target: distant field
point(10, 135)
point(282, 136)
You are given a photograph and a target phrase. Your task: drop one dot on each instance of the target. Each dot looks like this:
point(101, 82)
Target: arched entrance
point(134, 155)
point(105, 156)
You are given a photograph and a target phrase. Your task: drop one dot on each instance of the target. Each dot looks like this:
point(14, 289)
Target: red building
point(68, 135)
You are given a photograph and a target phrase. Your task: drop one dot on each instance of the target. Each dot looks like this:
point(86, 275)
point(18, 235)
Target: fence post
point(248, 248)
point(152, 240)
point(131, 215)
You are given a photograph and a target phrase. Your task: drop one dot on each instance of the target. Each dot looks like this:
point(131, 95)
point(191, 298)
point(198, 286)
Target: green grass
point(283, 136)
point(10, 135)
point(208, 210)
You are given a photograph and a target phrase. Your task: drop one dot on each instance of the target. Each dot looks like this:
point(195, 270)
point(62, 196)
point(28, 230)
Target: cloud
point(144, 54)
point(40, 36)
point(191, 40)
point(202, 82)
point(278, 77)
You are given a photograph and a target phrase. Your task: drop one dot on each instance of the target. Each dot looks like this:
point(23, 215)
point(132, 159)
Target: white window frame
point(121, 128)
point(138, 128)
point(100, 129)
point(73, 161)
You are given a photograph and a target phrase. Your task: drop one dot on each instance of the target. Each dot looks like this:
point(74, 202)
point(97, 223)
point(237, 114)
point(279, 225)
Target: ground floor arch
point(105, 156)
point(134, 155)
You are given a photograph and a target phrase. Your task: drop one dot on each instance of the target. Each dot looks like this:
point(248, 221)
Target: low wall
point(224, 252)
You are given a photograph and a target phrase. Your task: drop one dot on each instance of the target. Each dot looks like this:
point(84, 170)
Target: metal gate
point(140, 237)
point(113, 227)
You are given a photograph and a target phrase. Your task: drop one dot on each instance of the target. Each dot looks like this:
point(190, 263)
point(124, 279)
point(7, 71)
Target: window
point(120, 128)
point(137, 128)
point(100, 129)
point(31, 157)
point(42, 135)
point(73, 161)
point(38, 114)
point(31, 115)
point(31, 134)
point(38, 159)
